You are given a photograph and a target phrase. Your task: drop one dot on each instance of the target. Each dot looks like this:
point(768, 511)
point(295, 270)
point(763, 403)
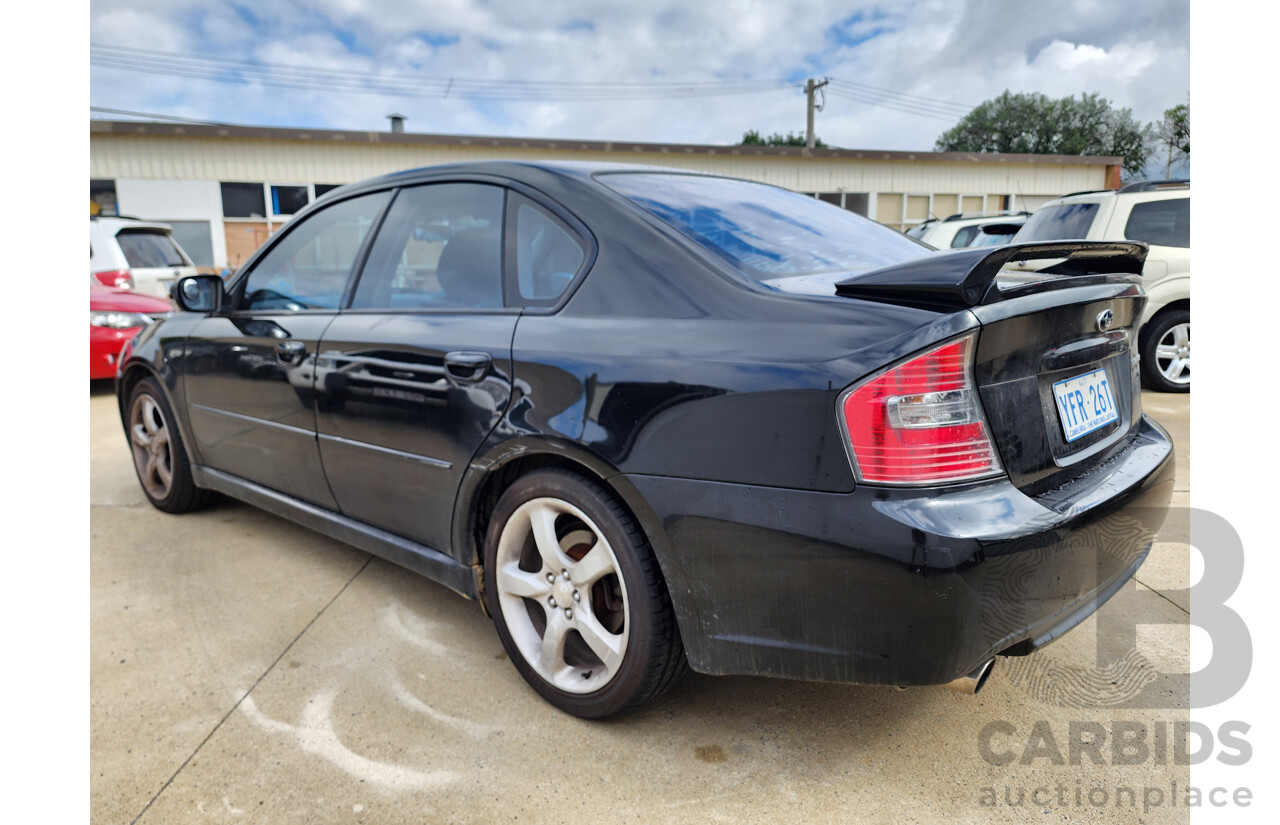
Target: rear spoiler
point(963, 278)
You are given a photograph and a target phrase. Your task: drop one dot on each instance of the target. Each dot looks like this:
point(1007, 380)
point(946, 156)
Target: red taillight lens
point(116, 277)
point(921, 422)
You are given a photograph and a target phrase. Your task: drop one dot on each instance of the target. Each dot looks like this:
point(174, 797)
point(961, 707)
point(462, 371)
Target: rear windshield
point(149, 248)
point(765, 232)
point(1069, 221)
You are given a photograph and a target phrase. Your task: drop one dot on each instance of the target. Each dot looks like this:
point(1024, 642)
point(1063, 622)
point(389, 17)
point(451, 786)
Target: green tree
point(1033, 123)
point(1173, 135)
point(753, 138)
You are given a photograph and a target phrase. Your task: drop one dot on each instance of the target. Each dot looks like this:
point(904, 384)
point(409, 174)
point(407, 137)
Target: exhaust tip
point(971, 683)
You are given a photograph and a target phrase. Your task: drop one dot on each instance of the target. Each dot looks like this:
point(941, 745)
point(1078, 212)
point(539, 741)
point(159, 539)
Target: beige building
point(226, 188)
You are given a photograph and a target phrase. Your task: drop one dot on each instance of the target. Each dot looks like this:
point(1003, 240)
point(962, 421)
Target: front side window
point(309, 267)
point(1167, 223)
point(1065, 222)
point(440, 247)
point(764, 232)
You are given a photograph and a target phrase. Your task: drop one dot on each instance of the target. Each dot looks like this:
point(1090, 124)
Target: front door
point(249, 381)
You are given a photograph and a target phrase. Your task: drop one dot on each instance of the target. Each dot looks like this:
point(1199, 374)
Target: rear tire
point(1166, 352)
point(577, 597)
point(159, 457)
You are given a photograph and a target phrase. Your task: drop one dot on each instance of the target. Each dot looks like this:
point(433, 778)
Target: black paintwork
point(708, 403)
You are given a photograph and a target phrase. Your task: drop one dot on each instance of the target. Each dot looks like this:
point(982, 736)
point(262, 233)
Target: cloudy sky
point(655, 71)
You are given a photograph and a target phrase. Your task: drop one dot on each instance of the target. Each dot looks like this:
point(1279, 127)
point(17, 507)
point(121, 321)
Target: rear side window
point(149, 249)
point(440, 247)
point(964, 237)
point(1068, 221)
point(1167, 223)
point(310, 266)
point(547, 254)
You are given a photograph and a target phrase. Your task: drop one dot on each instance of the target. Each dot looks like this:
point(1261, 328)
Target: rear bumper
point(894, 586)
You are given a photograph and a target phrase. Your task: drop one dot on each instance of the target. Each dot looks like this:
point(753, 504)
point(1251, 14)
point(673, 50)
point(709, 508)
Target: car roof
point(1139, 190)
point(115, 224)
point(515, 169)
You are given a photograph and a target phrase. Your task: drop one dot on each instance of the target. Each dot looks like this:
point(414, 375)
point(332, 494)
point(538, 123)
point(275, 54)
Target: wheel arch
point(134, 371)
point(489, 475)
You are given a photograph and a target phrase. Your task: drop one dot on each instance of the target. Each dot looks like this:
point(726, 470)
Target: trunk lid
point(1056, 361)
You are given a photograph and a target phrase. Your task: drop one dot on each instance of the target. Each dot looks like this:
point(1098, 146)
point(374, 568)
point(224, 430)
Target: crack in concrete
point(247, 693)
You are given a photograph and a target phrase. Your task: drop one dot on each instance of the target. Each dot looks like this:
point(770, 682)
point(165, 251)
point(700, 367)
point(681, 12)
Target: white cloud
point(1136, 54)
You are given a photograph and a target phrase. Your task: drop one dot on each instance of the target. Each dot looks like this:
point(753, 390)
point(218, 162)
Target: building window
point(243, 200)
point(102, 198)
point(324, 188)
point(853, 201)
point(288, 200)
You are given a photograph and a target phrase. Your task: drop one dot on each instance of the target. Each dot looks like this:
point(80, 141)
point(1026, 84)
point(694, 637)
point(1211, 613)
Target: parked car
point(958, 231)
point(1157, 213)
point(651, 419)
point(134, 254)
point(115, 316)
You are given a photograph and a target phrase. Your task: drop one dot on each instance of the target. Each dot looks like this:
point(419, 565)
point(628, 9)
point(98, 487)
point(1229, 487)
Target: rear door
point(250, 373)
point(412, 377)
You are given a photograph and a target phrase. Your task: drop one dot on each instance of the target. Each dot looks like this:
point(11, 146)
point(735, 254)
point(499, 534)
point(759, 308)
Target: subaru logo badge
point(1106, 319)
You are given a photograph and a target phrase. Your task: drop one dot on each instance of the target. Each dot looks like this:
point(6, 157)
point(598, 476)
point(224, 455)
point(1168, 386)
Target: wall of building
point(177, 177)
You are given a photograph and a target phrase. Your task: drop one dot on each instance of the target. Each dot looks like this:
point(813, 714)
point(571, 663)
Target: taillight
point(921, 422)
point(115, 277)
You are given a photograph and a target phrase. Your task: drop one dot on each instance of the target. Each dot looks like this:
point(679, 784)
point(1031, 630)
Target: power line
point(313, 79)
point(890, 94)
point(153, 116)
point(898, 106)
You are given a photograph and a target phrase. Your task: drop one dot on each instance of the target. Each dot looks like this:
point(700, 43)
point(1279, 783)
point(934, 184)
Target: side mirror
point(198, 293)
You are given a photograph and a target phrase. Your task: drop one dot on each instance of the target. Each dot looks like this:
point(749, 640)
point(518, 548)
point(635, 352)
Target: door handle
point(290, 352)
point(467, 366)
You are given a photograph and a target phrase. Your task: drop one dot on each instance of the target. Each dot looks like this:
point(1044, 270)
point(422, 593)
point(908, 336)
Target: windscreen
point(765, 232)
point(1068, 221)
point(149, 249)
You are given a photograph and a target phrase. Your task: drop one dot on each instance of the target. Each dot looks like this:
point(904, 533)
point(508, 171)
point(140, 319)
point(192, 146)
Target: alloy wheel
point(152, 449)
point(1173, 354)
point(562, 596)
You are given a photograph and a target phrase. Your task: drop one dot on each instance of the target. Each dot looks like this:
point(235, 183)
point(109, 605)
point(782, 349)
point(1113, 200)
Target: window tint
point(964, 236)
point(764, 232)
point(547, 255)
point(1167, 223)
point(441, 246)
point(243, 200)
point(287, 200)
point(149, 248)
point(309, 267)
point(1069, 221)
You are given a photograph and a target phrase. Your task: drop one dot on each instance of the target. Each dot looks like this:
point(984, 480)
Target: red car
point(115, 316)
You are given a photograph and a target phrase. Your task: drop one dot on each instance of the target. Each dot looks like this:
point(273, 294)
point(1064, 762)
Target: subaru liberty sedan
point(654, 420)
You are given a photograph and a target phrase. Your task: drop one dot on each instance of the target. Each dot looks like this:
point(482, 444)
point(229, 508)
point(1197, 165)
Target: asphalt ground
point(244, 669)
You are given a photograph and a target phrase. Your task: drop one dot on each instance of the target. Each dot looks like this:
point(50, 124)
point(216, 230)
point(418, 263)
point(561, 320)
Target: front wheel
point(1166, 352)
point(577, 597)
point(158, 455)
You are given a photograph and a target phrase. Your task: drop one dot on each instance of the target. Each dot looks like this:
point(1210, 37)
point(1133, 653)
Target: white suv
point(987, 229)
point(141, 255)
point(1158, 213)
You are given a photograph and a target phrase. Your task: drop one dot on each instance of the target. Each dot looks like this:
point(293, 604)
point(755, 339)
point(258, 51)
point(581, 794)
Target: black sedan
point(654, 420)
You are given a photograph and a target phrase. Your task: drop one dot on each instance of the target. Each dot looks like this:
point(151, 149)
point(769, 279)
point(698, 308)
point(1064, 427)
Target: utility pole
point(809, 88)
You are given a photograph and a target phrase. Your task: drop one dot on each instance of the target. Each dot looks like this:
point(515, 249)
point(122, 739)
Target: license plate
point(1085, 403)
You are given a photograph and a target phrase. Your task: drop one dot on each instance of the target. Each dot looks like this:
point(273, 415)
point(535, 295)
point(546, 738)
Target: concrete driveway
point(246, 670)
